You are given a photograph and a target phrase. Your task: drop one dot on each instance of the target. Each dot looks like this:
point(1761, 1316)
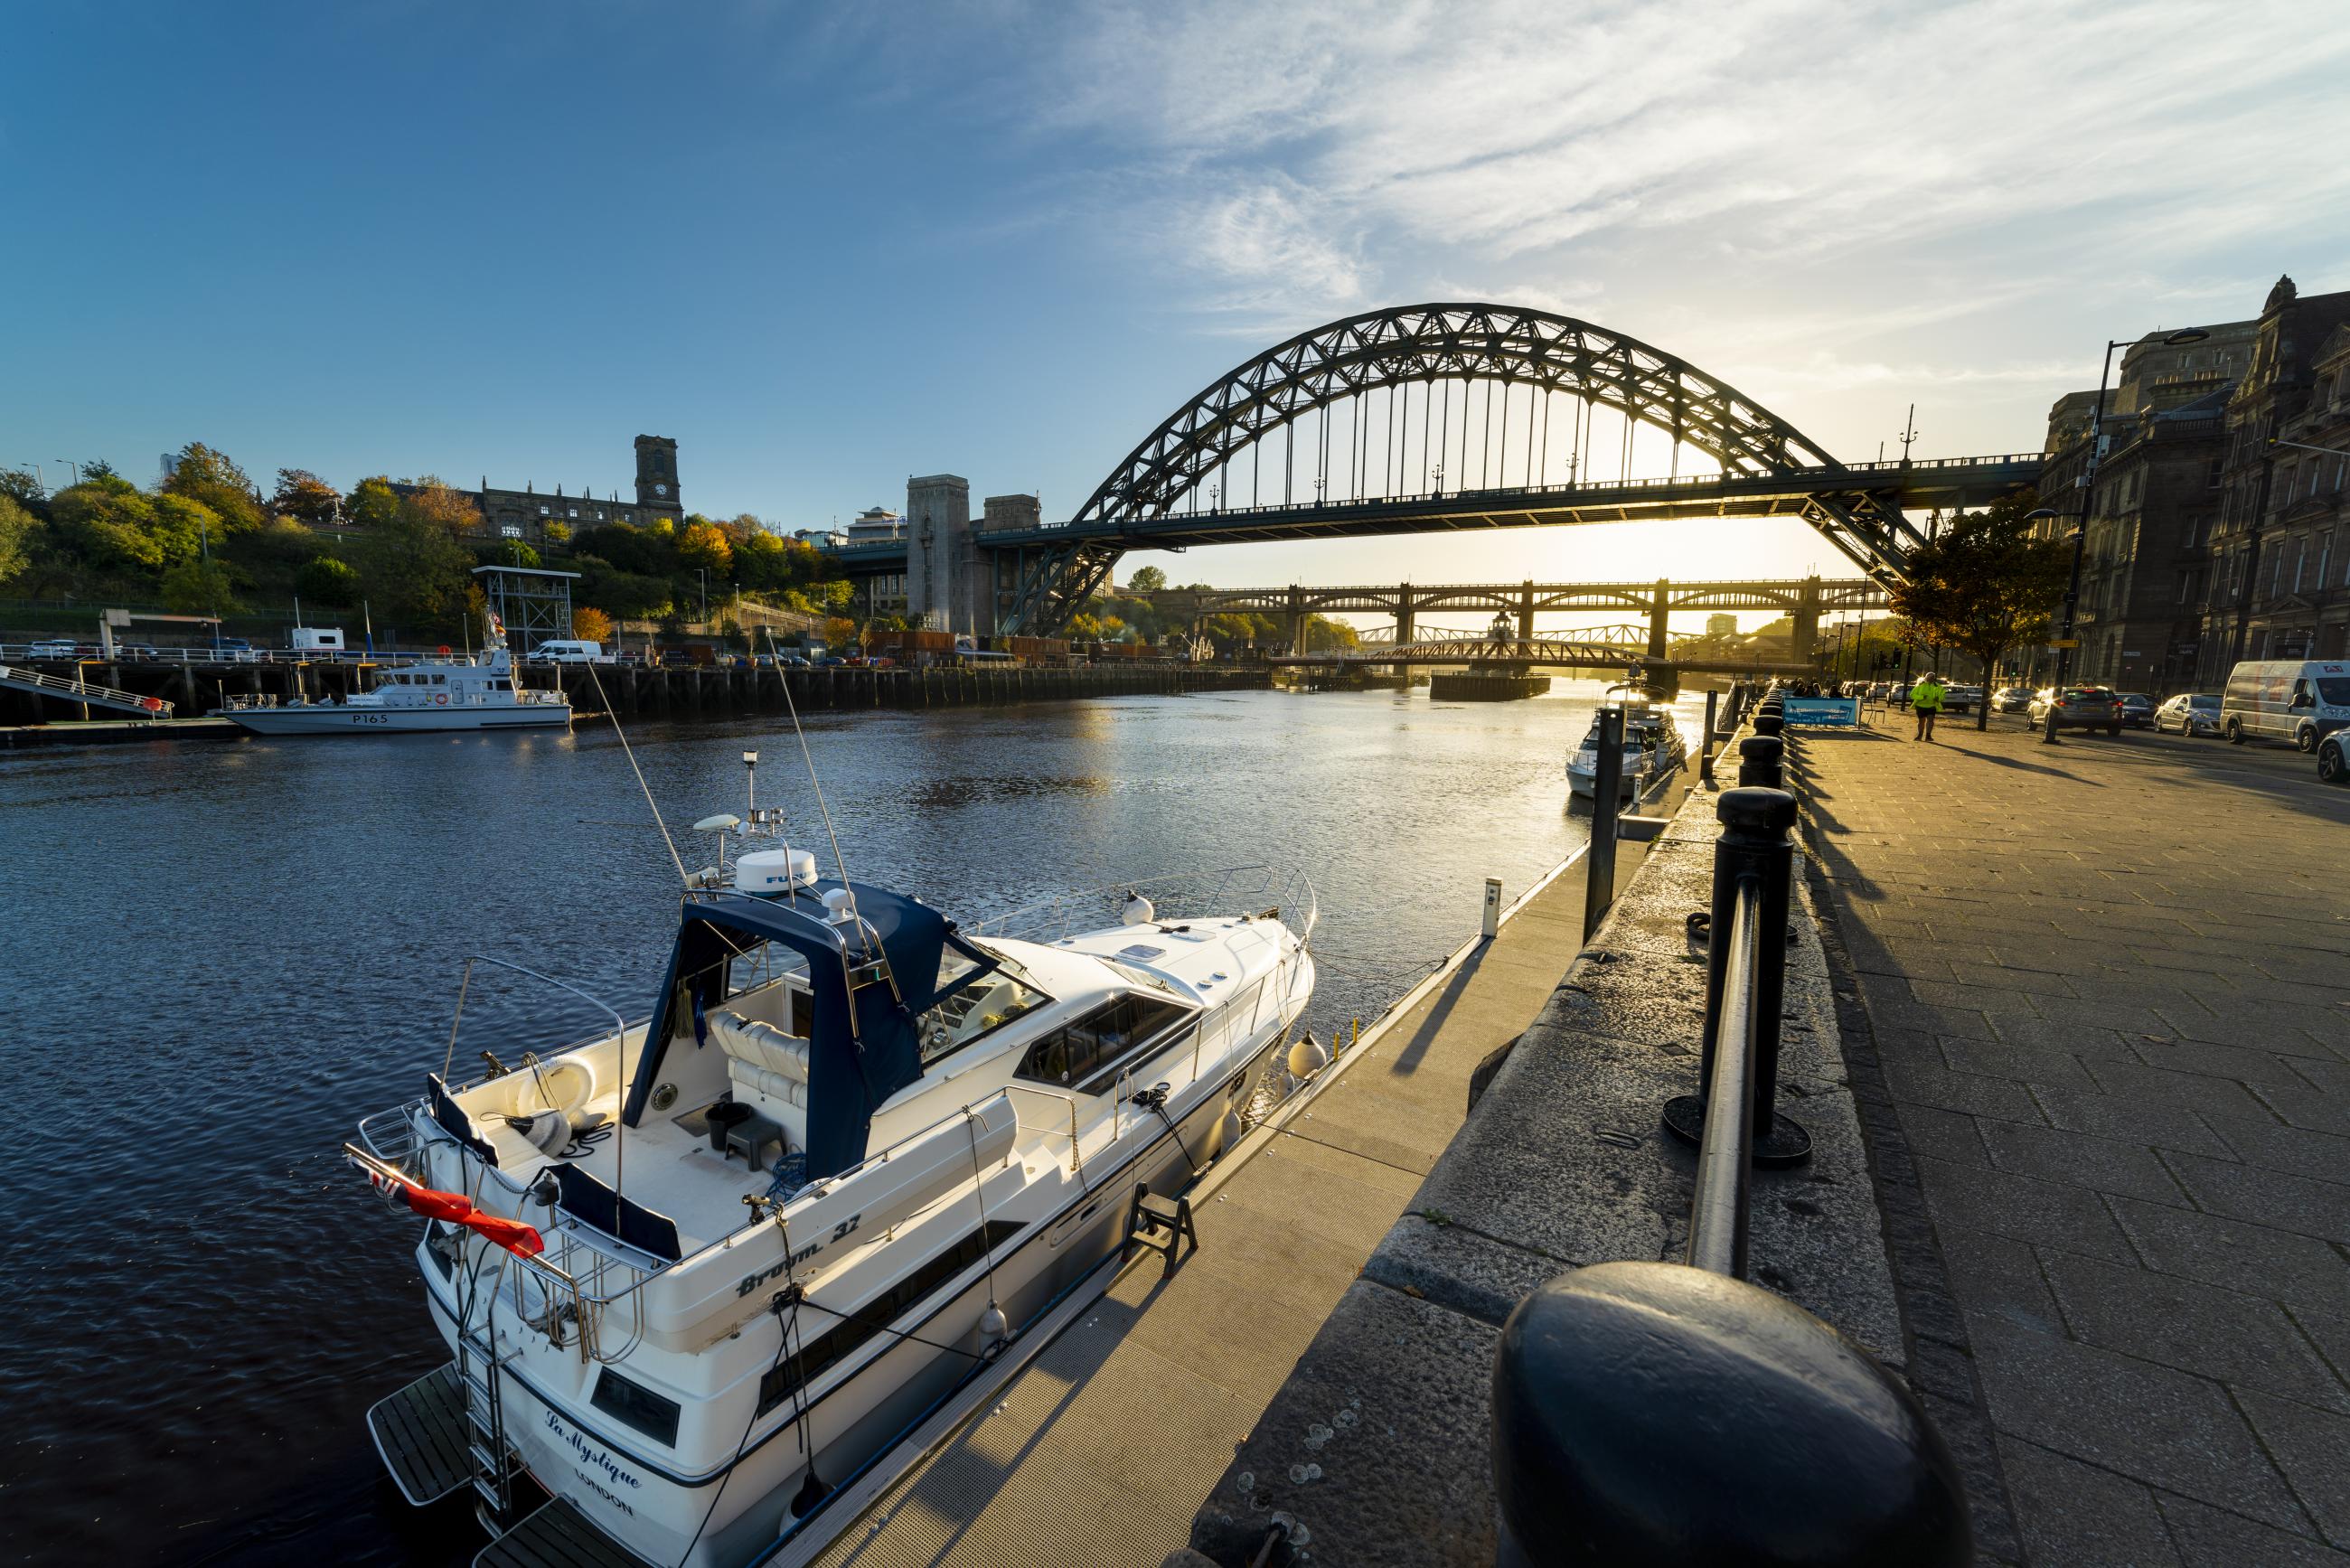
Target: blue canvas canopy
point(851, 1070)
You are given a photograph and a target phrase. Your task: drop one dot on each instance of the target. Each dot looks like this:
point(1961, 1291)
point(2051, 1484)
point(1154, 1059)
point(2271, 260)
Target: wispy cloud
point(1863, 178)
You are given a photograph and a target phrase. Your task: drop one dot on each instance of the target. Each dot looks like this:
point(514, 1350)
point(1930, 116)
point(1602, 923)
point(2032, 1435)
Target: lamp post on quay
point(2088, 484)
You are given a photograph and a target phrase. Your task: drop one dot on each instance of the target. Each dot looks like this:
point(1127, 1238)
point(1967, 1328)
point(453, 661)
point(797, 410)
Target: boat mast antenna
point(784, 679)
point(628, 752)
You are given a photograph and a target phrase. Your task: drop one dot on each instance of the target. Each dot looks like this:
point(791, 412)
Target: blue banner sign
point(1822, 710)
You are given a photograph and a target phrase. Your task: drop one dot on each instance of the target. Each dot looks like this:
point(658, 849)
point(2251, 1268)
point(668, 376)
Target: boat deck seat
point(761, 1058)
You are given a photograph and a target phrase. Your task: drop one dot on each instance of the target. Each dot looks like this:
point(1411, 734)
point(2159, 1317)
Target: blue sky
point(826, 247)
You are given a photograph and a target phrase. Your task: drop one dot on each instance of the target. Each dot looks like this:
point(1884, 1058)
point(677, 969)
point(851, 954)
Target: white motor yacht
point(696, 1274)
point(484, 693)
point(1652, 748)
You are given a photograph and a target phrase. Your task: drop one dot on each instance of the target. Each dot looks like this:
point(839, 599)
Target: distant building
point(1724, 625)
point(2143, 567)
point(529, 510)
point(2277, 585)
point(874, 525)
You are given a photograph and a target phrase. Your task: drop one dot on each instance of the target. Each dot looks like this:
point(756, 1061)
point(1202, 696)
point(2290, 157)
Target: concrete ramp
point(18, 678)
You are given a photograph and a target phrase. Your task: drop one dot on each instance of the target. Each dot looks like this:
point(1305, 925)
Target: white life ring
point(570, 1084)
point(441, 697)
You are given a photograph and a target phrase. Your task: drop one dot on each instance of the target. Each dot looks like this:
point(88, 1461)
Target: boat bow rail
point(1277, 892)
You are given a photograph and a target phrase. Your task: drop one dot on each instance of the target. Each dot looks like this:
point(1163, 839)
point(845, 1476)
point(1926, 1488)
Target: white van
point(566, 652)
point(2285, 699)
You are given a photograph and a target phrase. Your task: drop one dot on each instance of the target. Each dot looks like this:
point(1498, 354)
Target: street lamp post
point(75, 466)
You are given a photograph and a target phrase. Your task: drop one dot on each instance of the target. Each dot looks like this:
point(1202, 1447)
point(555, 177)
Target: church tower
point(657, 475)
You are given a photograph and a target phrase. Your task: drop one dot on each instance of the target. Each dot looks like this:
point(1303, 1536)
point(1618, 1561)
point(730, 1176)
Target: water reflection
point(220, 956)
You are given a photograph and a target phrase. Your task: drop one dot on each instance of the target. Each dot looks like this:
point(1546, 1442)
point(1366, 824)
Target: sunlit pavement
point(2109, 983)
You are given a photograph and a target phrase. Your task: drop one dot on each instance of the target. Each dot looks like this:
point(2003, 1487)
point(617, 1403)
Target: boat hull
point(859, 1419)
point(327, 719)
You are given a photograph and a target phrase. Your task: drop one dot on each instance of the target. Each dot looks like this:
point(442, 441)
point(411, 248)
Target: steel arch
point(1471, 341)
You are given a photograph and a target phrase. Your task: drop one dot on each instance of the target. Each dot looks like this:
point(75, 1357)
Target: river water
point(214, 958)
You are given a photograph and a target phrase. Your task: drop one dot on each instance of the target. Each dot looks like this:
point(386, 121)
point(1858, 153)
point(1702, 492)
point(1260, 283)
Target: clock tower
point(657, 475)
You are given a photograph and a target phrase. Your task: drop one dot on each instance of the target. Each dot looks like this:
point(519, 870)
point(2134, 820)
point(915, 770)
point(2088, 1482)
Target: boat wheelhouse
point(697, 1273)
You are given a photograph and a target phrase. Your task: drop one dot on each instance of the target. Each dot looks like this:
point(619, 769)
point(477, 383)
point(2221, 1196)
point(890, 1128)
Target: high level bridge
point(1802, 599)
point(1429, 418)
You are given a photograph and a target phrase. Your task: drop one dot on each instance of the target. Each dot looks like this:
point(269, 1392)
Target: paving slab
point(2110, 984)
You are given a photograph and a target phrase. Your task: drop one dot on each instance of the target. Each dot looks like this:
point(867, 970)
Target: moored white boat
point(1652, 747)
point(925, 1135)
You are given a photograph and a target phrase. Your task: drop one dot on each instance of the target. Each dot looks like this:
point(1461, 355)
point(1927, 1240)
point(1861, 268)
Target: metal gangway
point(79, 691)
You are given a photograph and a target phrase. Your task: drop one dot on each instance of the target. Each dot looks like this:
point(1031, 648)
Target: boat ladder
point(494, 1459)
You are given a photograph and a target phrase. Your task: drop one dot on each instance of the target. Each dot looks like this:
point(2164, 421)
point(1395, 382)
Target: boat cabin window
point(986, 1003)
point(439, 681)
point(1085, 1055)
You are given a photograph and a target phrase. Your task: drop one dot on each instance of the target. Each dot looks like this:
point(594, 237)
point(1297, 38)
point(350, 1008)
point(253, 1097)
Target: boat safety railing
point(1750, 1411)
point(1077, 1159)
point(1279, 891)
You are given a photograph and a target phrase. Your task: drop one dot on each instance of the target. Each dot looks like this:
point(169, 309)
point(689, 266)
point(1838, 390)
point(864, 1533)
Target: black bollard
point(1759, 760)
point(1767, 721)
point(1656, 1416)
point(1606, 782)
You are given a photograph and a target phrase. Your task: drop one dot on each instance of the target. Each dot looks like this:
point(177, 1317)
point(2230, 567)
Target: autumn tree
point(209, 478)
point(303, 496)
point(1985, 585)
point(591, 625)
point(839, 632)
point(704, 548)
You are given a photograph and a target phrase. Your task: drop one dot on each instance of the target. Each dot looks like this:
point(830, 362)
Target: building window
point(2212, 480)
point(575, 511)
point(2299, 561)
point(545, 511)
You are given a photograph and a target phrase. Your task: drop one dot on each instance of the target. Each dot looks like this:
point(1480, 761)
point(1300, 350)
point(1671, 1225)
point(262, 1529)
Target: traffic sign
point(2064, 642)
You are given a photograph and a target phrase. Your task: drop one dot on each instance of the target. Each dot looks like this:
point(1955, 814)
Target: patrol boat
point(430, 695)
point(696, 1274)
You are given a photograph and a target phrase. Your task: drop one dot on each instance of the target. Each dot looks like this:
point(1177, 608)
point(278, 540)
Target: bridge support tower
point(1658, 625)
point(1526, 612)
point(1804, 640)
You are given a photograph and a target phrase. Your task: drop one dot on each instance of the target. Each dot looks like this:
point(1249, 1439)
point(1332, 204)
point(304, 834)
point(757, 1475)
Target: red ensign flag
point(457, 1210)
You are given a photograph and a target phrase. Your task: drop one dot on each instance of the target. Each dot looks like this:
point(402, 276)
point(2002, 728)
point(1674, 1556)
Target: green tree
point(17, 530)
point(199, 588)
point(98, 468)
point(557, 532)
point(414, 565)
point(303, 496)
point(329, 581)
point(1985, 585)
point(108, 523)
point(23, 486)
point(372, 502)
point(1146, 580)
point(209, 478)
point(1084, 628)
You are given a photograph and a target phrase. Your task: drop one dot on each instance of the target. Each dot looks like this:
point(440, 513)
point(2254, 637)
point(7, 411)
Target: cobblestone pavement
point(2110, 984)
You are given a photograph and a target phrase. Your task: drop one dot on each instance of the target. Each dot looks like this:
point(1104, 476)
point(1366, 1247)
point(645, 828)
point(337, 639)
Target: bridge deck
point(1794, 493)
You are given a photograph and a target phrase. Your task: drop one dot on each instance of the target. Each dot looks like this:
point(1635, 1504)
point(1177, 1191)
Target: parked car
point(2333, 758)
point(2285, 699)
point(2137, 709)
point(235, 650)
point(2011, 700)
point(2079, 707)
point(791, 661)
point(54, 647)
point(2189, 714)
point(135, 650)
point(1962, 698)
